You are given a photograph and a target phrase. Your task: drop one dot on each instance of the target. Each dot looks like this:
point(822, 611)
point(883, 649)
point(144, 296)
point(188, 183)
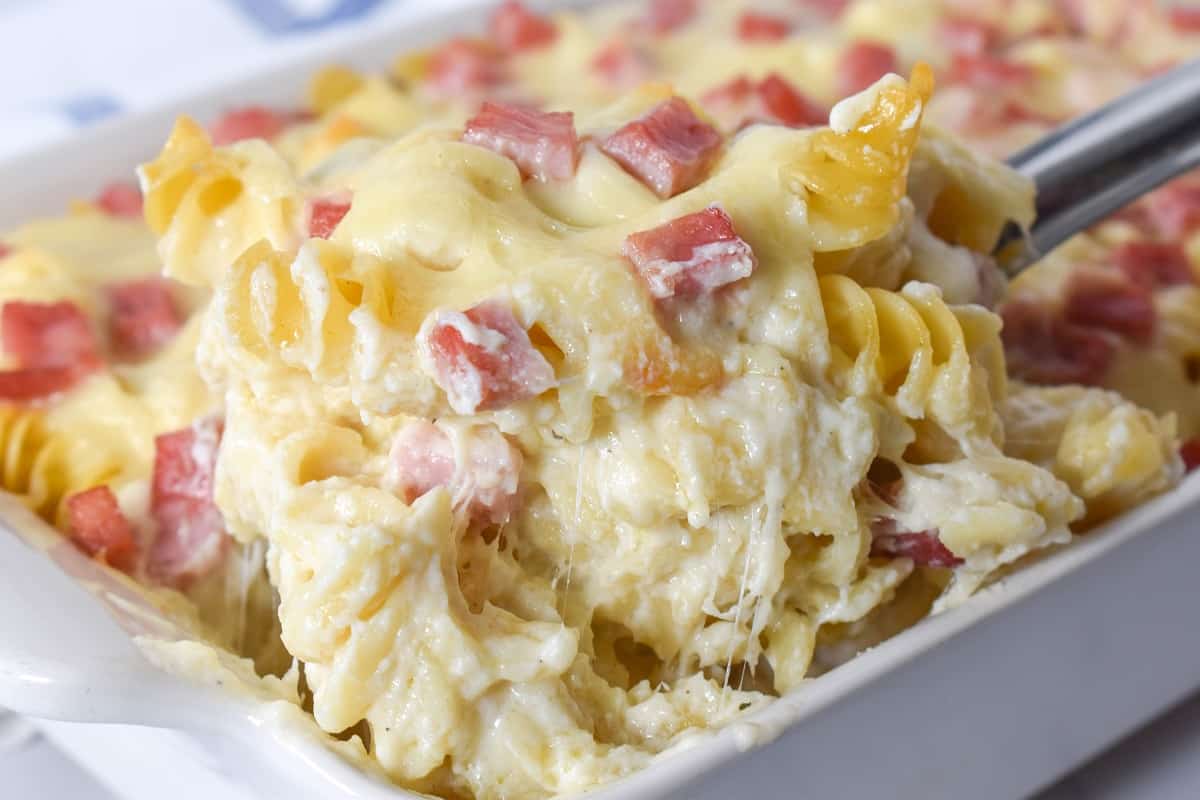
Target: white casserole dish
point(993, 699)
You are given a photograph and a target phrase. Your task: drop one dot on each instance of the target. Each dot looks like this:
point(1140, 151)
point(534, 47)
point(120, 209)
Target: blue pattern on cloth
point(84, 109)
point(198, 41)
point(279, 17)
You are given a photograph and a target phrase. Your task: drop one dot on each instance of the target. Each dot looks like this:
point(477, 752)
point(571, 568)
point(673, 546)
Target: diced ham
point(514, 27)
point(52, 345)
point(1189, 451)
point(144, 316)
point(543, 145)
point(980, 113)
point(669, 149)
point(690, 255)
point(324, 214)
point(621, 64)
point(985, 71)
point(33, 383)
point(1154, 264)
point(100, 528)
point(464, 66)
point(5, 250)
point(664, 16)
point(1136, 214)
point(1099, 21)
point(422, 459)
point(482, 358)
point(787, 105)
point(923, 547)
point(1013, 112)
point(1008, 113)
point(1184, 18)
point(755, 26)
point(1044, 349)
point(46, 334)
point(121, 199)
point(252, 122)
point(479, 466)
point(827, 9)
point(185, 460)
point(1112, 24)
point(191, 539)
point(862, 64)
point(1158, 68)
point(1174, 210)
point(734, 99)
point(772, 100)
point(1095, 300)
point(968, 36)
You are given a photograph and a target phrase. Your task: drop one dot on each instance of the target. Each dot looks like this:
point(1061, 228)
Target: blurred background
point(66, 64)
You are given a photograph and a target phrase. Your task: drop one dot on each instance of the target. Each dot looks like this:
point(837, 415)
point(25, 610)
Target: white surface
point(40, 771)
point(1160, 762)
point(997, 724)
point(142, 763)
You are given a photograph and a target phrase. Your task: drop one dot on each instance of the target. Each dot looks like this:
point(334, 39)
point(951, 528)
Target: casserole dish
point(157, 702)
point(994, 699)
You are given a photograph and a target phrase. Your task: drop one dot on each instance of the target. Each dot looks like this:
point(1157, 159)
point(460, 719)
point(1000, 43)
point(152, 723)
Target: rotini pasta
point(1112, 453)
point(854, 174)
point(192, 187)
point(25, 458)
point(928, 359)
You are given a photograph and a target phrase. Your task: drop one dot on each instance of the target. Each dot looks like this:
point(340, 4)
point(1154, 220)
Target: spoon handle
point(1103, 161)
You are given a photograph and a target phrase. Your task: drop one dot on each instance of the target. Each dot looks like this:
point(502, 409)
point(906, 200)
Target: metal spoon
point(1101, 162)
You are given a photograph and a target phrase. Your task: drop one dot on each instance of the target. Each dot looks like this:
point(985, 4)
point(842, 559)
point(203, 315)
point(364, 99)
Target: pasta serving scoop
point(1101, 162)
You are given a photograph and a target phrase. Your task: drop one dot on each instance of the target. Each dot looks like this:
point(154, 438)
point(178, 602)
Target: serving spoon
point(1103, 161)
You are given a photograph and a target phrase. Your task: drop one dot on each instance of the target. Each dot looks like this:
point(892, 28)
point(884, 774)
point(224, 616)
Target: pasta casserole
point(579, 386)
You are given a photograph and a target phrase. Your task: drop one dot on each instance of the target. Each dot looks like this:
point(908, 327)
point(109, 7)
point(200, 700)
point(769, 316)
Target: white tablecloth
point(66, 64)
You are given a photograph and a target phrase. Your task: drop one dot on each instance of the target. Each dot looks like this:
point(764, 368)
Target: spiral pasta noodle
point(925, 357)
point(22, 443)
point(192, 190)
point(45, 467)
point(853, 178)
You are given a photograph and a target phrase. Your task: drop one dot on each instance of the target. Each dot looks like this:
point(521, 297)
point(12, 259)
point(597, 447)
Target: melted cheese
point(670, 535)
